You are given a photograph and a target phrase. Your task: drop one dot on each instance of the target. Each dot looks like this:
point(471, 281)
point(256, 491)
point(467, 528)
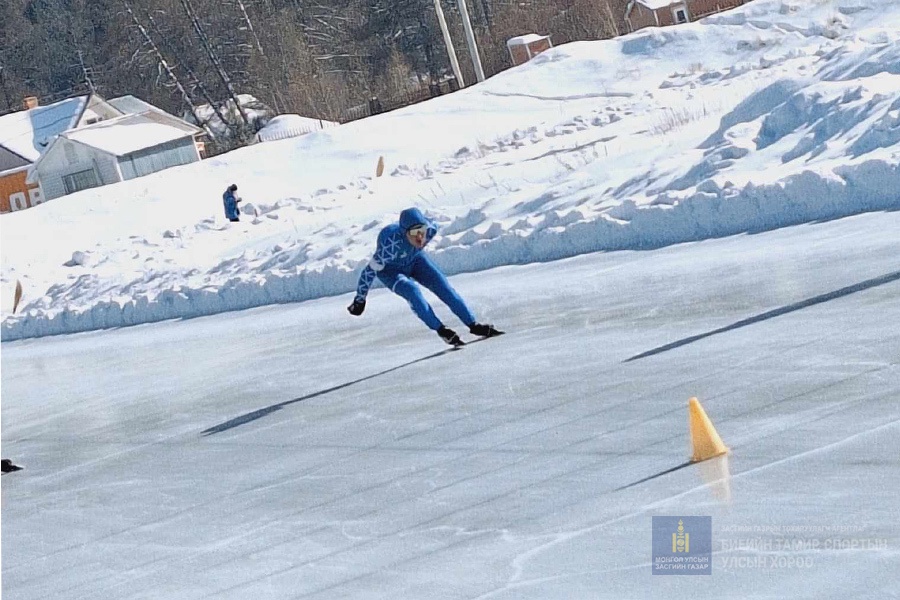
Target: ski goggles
point(418, 229)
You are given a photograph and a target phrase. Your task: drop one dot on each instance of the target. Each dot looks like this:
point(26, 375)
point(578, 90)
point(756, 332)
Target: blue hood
point(412, 217)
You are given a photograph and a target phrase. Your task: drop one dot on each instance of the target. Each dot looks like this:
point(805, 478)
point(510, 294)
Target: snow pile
point(774, 114)
point(288, 126)
point(257, 113)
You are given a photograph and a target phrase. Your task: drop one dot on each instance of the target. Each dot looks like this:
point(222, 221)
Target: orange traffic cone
point(705, 442)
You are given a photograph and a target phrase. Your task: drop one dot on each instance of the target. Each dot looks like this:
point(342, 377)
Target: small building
point(26, 134)
point(113, 150)
point(523, 48)
point(660, 13)
point(288, 126)
point(15, 193)
point(132, 105)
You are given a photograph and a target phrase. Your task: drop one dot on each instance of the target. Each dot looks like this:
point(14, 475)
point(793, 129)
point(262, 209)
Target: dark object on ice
point(449, 336)
point(483, 330)
point(8, 466)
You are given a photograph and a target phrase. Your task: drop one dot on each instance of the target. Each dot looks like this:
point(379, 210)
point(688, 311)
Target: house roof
point(657, 4)
point(132, 105)
point(525, 39)
point(127, 134)
point(10, 161)
point(29, 132)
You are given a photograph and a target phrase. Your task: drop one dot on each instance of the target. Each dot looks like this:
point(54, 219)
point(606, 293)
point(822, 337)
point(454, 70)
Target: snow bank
point(792, 117)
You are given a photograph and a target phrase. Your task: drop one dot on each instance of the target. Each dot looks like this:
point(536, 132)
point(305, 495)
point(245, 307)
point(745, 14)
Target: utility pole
point(470, 38)
point(449, 43)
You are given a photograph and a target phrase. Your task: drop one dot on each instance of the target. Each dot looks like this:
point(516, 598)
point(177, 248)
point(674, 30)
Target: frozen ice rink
point(295, 452)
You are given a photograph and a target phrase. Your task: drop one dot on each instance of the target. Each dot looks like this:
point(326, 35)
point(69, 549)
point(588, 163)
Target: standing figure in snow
point(399, 263)
point(231, 199)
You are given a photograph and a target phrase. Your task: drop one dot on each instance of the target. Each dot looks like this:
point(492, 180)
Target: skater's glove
point(357, 307)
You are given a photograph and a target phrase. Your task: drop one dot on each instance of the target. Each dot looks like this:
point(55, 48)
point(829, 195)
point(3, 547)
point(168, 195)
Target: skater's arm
point(366, 279)
point(385, 252)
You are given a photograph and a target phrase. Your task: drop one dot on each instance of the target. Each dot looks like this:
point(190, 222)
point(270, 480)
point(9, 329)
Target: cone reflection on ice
point(705, 442)
point(716, 474)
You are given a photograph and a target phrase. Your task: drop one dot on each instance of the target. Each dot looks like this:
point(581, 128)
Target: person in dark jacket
point(231, 199)
point(399, 264)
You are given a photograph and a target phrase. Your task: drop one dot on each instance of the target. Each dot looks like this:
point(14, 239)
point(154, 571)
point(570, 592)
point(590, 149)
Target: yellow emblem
point(681, 541)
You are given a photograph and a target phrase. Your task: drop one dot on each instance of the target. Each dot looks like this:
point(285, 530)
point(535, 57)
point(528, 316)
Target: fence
point(376, 105)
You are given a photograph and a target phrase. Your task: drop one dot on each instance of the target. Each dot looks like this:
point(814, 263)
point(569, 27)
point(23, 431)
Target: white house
point(26, 134)
point(114, 150)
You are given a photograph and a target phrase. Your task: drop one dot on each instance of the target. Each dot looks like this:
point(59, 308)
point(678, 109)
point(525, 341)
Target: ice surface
point(205, 458)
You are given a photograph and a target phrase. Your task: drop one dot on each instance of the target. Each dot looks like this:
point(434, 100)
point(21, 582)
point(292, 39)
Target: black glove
point(357, 307)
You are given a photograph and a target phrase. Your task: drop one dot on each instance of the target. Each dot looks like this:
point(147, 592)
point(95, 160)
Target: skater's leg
point(407, 289)
point(425, 272)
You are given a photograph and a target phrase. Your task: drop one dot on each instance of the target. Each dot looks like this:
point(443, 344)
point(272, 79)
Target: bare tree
point(164, 64)
point(249, 23)
point(197, 83)
point(87, 73)
point(214, 59)
point(319, 57)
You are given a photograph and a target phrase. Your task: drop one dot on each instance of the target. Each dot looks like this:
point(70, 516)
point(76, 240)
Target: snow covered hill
point(777, 113)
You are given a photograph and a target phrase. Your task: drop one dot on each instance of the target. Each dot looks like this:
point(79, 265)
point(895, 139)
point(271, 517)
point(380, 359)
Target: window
point(35, 195)
point(17, 201)
point(71, 154)
point(81, 180)
point(681, 16)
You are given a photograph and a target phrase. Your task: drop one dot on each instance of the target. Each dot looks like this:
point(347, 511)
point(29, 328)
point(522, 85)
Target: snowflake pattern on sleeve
point(388, 250)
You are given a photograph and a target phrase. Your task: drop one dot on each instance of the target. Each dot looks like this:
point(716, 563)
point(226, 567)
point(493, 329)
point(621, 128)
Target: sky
point(773, 114)
point(705, 211)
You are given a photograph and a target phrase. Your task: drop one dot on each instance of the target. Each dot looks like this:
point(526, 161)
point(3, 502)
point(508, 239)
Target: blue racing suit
point(399, 265)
